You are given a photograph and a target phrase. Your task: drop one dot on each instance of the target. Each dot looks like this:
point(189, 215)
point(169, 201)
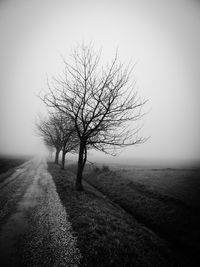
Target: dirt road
point(34, 226)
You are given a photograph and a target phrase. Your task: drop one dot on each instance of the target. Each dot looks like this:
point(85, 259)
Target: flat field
point(133, 217)
point(180, 184)
point(7, 165)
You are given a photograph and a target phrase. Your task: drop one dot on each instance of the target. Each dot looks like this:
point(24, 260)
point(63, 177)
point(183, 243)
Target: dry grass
point(149, 195)
point(7, 165)
point(106, 234)
point(180, 184)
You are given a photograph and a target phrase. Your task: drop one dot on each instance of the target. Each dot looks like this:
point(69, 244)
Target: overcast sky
point(163, 37)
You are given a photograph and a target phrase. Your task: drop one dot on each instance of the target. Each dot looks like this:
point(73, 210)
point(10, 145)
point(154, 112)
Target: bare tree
point(51, 150)
point(68, 135)
point(58, 131)
point(50, 133)
point(100, 101)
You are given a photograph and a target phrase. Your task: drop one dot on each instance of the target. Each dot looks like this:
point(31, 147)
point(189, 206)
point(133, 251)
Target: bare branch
point(101, 102)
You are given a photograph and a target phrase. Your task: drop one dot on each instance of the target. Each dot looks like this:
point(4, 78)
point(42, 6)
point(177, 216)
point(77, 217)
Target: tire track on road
point(50, 242)
point(35, 229)
point(12, 191)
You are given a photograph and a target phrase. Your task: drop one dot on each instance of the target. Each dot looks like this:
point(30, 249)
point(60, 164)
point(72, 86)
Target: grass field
point(7, 165)
point(166, 201)
point(132, 217)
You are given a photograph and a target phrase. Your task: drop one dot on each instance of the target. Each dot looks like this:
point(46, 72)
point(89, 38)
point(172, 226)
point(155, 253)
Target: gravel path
point(38, 232)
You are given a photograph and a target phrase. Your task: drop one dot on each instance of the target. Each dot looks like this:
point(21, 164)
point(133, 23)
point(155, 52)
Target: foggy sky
point(163, 37)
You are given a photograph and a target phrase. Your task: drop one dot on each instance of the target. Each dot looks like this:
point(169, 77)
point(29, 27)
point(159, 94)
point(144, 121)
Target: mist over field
point(100, 165)
point(161, 37)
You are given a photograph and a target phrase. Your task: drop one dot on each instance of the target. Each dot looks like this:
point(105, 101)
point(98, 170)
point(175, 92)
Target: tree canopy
point(100, 100)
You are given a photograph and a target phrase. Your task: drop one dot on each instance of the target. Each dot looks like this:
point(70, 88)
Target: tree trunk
point(63, 160)
point(78, 183)
point(56, 157)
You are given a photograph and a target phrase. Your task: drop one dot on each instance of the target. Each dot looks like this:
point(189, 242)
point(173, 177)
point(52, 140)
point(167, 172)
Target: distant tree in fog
point(58, 132)
point(48, 130)
point(100, 101)
point(68, 137)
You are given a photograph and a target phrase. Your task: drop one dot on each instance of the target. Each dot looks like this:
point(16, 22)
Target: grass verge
point(106, 234)
point(168, 217)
